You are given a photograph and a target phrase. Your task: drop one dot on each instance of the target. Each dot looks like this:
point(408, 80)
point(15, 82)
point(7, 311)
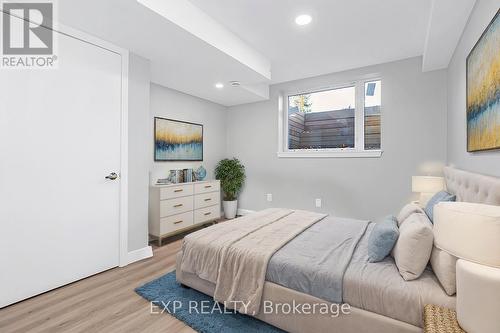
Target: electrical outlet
point(269, 197)
point(318, 203)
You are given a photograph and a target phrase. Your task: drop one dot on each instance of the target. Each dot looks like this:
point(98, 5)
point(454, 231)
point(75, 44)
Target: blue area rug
point(198, 310)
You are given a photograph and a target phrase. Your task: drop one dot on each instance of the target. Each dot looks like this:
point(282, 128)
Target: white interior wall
point(172, 104)
point(413, 141)
point(147, 100)
point(418, 137)
point(138, 141)
point(487, 162)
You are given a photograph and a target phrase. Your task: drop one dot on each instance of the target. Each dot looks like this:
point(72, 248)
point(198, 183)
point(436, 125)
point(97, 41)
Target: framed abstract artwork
point(483, 90)
point(176, 140)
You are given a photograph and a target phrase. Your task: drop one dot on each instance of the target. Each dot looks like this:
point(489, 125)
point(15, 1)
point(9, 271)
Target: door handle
point(112, 176)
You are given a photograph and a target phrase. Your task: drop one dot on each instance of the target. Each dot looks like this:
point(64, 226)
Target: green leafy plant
point(231, 174)
point(303, 102)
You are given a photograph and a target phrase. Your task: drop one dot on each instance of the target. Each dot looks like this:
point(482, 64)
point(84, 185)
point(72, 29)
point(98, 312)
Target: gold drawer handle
point(208, 213)
point(178, 205)
point(179, 190)
point(178, 222)
point(208, 199)
point(208, 186)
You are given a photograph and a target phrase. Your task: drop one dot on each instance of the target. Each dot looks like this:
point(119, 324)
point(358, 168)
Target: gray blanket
point(315, 261)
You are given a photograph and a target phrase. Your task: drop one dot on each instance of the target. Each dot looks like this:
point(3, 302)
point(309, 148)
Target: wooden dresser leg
point(159, 241)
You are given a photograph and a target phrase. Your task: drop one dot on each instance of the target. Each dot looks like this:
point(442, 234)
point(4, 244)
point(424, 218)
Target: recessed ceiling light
point(303, 19)
point(219, 85)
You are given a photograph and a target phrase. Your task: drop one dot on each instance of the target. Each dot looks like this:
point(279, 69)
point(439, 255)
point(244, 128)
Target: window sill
point(330, 154)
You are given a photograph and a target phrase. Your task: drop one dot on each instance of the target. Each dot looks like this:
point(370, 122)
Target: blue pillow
point(382, 239)
point(442, 196)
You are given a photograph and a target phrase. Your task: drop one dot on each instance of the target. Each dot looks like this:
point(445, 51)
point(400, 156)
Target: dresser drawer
point(206, 187)
point(175, 222)
point(206, 214)
point(175, 191)
point(175, 206)
point(206, 199)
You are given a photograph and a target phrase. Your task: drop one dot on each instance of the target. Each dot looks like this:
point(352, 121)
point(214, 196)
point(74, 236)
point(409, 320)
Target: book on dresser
point(174, 208)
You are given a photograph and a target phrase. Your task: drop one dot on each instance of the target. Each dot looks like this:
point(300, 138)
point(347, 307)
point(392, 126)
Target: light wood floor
point(105, 302)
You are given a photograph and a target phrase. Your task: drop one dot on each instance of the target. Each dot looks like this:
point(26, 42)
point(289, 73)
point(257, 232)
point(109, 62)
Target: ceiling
point(179, 60)
point(193, 44)
point(343, 34)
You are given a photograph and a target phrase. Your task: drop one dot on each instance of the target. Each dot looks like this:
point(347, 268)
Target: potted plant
point(231, 174)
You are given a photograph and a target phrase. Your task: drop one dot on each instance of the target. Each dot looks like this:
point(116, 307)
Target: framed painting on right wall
point(483, 90)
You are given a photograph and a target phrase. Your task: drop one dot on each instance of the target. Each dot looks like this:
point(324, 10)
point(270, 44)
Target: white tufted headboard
point(472, 187)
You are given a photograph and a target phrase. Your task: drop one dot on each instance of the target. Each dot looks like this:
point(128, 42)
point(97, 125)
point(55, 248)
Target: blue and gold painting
point(178, 140)
point(483, 90)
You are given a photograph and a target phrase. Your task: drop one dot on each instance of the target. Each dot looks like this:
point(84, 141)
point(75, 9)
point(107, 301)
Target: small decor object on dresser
point(172, 176)
point(231, 174)
point(483, 90)
point(179, 176)
point(178, 140)
point(188, 175)
point(200, 173)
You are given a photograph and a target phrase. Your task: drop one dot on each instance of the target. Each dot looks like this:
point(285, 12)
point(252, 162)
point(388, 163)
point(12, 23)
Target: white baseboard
point(139, 254)
point(244, 211)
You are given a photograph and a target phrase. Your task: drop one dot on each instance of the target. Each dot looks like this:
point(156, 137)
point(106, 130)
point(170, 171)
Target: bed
point(316, 267)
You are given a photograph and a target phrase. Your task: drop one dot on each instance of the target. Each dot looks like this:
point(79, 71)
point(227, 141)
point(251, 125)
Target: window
point(372, 101)
point(333, 122)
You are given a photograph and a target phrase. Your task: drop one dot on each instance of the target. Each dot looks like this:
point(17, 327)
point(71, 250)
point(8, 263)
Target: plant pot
point(230, 208)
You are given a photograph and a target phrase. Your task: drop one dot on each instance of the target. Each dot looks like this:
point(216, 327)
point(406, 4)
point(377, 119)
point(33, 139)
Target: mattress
point(375, 287)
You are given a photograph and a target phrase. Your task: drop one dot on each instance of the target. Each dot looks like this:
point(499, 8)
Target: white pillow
point(408, 210)
point(469, 231)
point(444, 266)
point(414, 246)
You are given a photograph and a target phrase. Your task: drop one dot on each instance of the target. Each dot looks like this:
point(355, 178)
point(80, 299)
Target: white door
point(59, 138)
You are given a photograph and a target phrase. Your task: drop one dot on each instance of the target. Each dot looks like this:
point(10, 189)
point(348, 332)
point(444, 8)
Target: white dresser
point(177, 207)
